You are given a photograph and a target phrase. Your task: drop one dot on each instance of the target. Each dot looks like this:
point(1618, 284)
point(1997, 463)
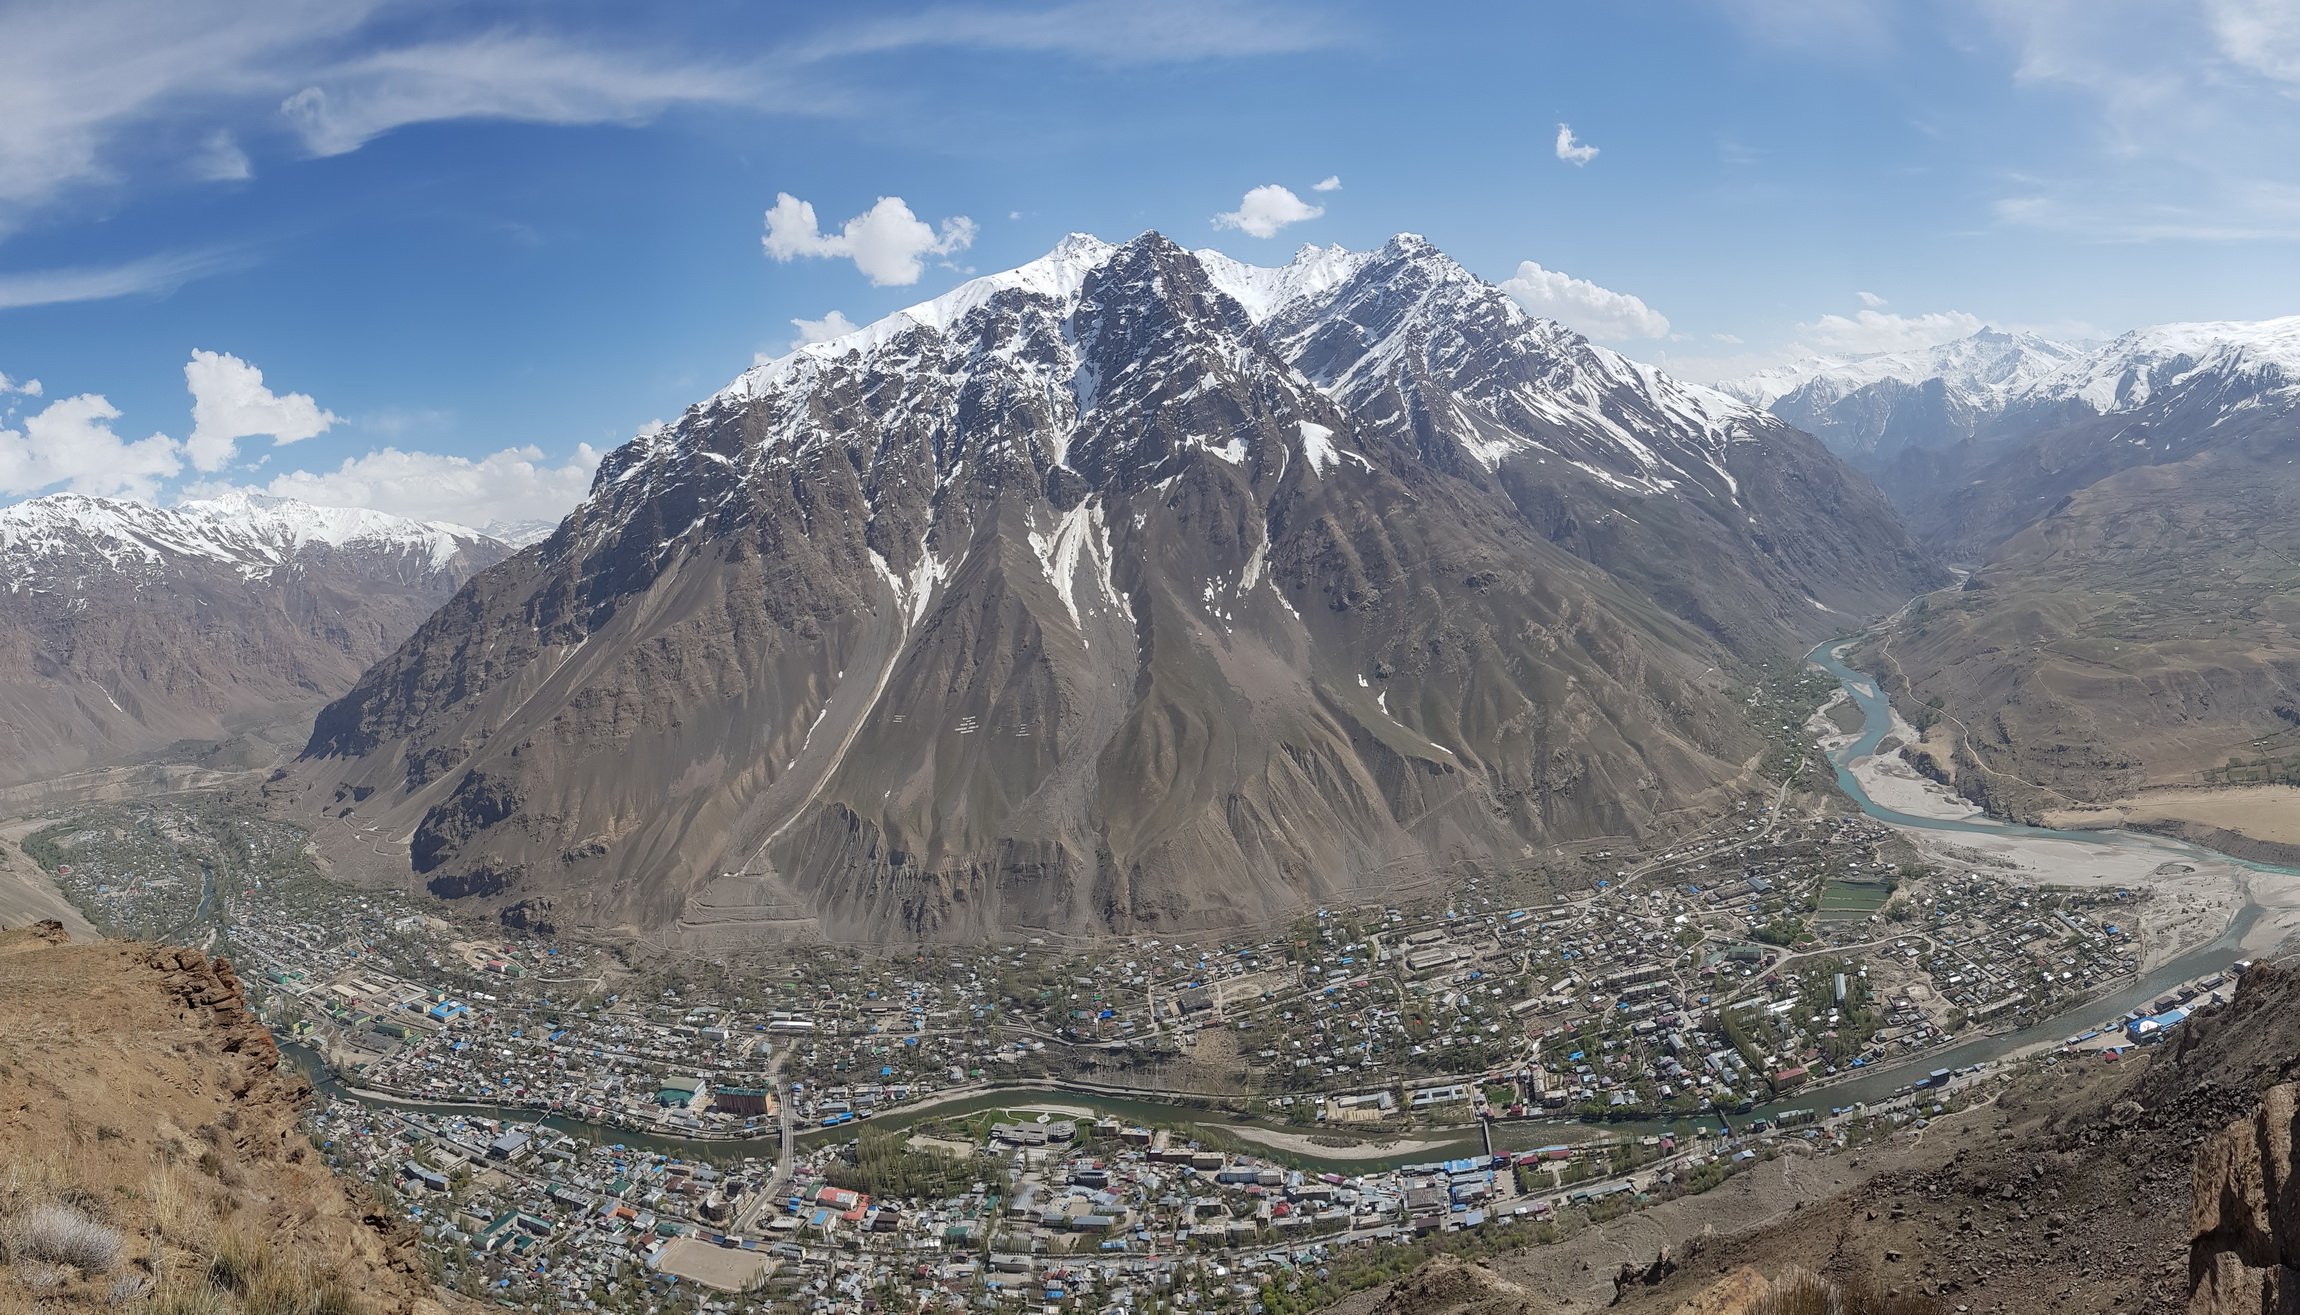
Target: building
point(742, 1102)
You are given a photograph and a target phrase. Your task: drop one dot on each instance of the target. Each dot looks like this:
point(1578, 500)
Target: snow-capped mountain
point(251, 533)
point(1131, 587)
point(2236, 360)
point(130, 627)
point(1869, 408)
point(519, 533)
point(1976, 437)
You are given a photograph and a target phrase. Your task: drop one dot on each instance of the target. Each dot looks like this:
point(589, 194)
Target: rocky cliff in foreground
point(2244, 1221)
point(154, 1158)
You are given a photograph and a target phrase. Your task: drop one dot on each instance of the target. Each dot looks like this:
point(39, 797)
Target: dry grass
point(1809, 1294)
point(241, 1265)
point(60, 1234)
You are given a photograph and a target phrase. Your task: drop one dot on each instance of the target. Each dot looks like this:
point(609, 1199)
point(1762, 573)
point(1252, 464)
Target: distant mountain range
point(1130, 589)
point(2132, 512)
point(127, 628)
point(1977, 438)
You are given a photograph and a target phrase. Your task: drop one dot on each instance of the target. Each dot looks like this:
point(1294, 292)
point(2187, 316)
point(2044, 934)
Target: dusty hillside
point(2072, 1193)
point(152, 1157)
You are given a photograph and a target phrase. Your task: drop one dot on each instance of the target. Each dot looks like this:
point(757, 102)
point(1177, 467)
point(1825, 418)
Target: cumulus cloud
point(1266, 209)
point(1575, 153)
point(1582, 305)
point(71, 443)
point(1872, 330)
point(20, 387)
point(230, 402)
point(1329, 183)
point(506, 487)
point(833, 325)
point(1870, 299)
point(886, 242)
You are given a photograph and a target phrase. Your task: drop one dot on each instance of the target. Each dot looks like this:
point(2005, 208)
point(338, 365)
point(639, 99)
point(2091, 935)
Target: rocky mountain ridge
point(1133, 588)
point(1975, 439)
point(130, 627)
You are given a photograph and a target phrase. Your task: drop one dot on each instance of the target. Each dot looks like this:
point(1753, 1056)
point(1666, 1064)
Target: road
point(778, 1186)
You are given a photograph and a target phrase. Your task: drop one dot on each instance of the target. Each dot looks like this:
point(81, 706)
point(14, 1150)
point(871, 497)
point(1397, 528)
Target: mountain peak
point(252, 531)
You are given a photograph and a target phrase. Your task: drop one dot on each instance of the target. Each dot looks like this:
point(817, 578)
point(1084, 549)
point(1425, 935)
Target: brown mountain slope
point(2072, 1194)
point(127, 628)
point(1084, 599)
point(152, 1152)
point(2147, 632)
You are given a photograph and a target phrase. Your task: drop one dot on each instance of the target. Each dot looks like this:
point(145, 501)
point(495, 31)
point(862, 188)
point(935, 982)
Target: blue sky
point(448, 253)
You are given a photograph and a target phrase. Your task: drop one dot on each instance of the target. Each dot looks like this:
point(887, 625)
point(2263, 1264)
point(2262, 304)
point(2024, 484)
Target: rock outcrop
point(141, 1099)
point(1449, 1285)
point(2244, 1224)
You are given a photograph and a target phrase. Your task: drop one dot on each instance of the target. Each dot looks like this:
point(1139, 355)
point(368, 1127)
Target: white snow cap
point(247, 529)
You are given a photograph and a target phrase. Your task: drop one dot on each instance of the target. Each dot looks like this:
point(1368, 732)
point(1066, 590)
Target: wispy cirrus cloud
point(2192, 130)
point(525, 77)
point(94, 93)
point(1103, 31)
point(150, 275)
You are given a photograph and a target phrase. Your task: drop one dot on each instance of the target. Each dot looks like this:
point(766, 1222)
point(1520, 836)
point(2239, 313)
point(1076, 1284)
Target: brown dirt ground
point(137, 1089)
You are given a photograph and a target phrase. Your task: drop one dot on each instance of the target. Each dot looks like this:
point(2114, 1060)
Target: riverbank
point(2257, 822)
point(1300, 1143)
point(2197, 893)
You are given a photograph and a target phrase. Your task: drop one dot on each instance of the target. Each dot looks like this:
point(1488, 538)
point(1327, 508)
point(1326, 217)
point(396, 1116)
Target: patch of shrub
point(65, 1235)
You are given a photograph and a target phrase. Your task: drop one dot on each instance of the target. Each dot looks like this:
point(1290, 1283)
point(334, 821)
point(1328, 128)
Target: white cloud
point(1266, 209)
point(95, 93)
point(2192, 107)
point(515, 484)
point(1573, 152)
point(886, 242)
point(230, 402)
point(20, 387)
point(220, 160)
point(1881, 331)
point(1329, 183)
point(76, 78)
point(1105, 31)
point(2261, 35)
point(523, 77)
point(1582, 305)
point(833, 325)
point(1870, 299)
point(152, 274)
point(71, 443)
point(1730, 340)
